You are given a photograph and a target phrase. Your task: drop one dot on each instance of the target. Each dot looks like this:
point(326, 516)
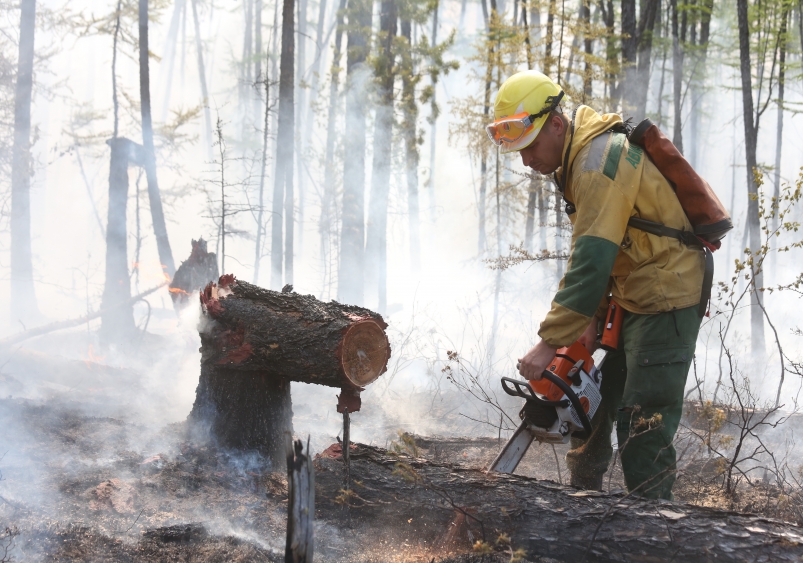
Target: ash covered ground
point(99, 465)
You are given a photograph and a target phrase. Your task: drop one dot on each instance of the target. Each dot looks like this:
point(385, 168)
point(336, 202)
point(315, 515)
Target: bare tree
point(202, 75)
point(283, 177)
point(23, 299)
point(154, 195)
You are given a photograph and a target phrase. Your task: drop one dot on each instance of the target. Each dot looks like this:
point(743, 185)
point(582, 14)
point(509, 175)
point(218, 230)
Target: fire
point(91, 358)
point(177, 290)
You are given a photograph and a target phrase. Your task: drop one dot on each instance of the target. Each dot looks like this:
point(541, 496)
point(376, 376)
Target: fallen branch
point(61, 325)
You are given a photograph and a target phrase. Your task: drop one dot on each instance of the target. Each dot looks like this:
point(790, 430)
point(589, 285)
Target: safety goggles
point(509, 129)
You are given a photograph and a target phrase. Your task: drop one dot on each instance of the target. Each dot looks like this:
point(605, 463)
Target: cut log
point(291, 336)
point(441, 509)
point(254, 342)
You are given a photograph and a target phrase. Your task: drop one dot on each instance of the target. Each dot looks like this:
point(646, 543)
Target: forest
point(209, 209)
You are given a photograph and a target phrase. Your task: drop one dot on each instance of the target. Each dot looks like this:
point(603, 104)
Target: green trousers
point(642, 391)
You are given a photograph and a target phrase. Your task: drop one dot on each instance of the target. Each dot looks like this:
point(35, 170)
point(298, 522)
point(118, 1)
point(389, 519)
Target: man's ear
point(558, 125)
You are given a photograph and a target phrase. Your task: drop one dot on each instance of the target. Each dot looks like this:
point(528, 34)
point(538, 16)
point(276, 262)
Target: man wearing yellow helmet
point(656, 280)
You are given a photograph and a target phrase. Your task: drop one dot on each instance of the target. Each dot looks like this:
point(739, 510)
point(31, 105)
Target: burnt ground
point(83, 499)
point(87, 477)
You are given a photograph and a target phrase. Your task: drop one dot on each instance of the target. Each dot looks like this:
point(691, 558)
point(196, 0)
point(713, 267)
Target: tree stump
point(193, 274)
point(254, 342)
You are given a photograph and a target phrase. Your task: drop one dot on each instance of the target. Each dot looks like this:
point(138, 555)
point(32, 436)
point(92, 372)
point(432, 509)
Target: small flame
point(91, 358)
point(177, 290)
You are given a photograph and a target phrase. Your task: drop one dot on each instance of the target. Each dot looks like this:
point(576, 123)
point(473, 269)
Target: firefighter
point(656, 280)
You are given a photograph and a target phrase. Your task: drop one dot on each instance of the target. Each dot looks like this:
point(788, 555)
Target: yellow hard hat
point(521, 108)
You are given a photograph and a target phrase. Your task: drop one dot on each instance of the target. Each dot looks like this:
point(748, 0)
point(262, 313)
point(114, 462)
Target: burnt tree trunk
point(193, 274)
point(301, 504)
point(254, 342)
point(117, 321)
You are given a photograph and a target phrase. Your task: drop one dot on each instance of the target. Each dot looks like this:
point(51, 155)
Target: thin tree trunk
point(550, 30)
point(376, 239)
point(245, 83)
point(588, 49)
point(779, 123)
point(433, 126)
point(629, 53)
point(260, 224)
point(482, 241)
point(660, 97)
point(318, 65)
point(301, 65)
point(646, 29)
point(154, 196)
point(408, 126)
point(532, 195)
point(698, 81)
point(115, 103)
point(23, 300)
point(202, 76)
point(166, 71)
point(352, 239)
point(283, 178)
point(258, 77)
point(750, 142)
point(611, 57)
point(327, 219)
point(677, 75)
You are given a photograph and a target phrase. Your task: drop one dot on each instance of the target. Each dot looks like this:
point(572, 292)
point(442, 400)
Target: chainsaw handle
point(523, 390)
point(572, 396)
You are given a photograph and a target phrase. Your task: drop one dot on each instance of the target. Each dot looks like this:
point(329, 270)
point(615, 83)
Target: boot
point(585, 482)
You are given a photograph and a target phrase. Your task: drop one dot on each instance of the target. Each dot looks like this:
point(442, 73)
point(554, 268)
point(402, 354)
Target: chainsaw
point(558, 406)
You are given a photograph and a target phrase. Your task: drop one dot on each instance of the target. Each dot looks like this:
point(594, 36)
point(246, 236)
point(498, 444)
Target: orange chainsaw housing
point(564, 361)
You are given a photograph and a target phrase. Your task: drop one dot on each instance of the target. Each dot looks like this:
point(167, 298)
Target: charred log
point(445, 509)
point(254, 342)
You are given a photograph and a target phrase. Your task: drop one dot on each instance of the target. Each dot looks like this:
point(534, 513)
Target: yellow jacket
point(610, 181)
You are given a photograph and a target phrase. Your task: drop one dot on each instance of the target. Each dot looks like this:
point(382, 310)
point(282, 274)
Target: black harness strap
point(689, 239)
point(569, 208)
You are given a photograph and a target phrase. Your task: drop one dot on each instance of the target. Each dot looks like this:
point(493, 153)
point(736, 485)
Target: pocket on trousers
point(663, 356)
point(658, 377)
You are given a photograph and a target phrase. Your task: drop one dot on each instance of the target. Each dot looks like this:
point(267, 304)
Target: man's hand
point(589, 336)
point(534, 362)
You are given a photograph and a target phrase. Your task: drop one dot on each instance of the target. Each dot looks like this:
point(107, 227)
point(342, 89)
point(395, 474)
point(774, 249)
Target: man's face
point(545, 153)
